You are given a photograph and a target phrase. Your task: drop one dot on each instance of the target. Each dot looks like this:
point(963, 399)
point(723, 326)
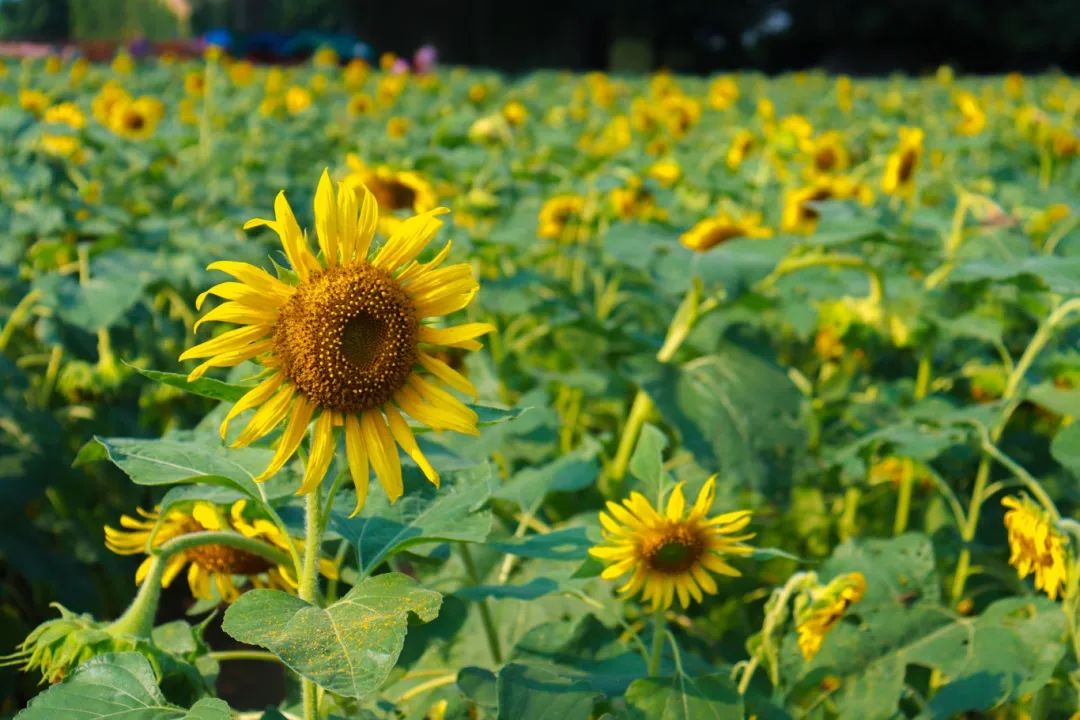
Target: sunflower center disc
point(224, 559)
point(347, 338)
point(676, 552)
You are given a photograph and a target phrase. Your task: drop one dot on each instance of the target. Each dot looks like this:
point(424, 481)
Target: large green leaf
point(205, 386)
point(116, 686)
point(562, 544)
point(1066, 448)
point(573, 471)
point(706, 697)
point(734, 411)
point(424, 514)
point(172, 461)
point(115, 284)
point(647, 461)
point(348, 648)
point(527, 692)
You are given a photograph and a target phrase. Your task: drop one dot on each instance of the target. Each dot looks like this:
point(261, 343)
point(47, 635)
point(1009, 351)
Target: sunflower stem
point(309, 585)
point(639, 411)
point(138, 619)
point(486, 618)
point(657, 652)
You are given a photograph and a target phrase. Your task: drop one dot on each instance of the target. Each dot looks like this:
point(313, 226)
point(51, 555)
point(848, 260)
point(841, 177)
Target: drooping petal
point(322, 452)
point(232, 358)
point(234, 312)
point(228, 341)
point(356, 453)
point(405, 438)
point(267, 417)
point(256, 277)
point(417, 269)
point(383, 453)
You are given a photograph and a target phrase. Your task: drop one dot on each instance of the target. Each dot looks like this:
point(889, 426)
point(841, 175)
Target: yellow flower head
point(972, 117)
point(818, 610)
point(1045, 220)
point(845, 93)
point(398, 126)
point(65, 146)
point(195, 83)
point(360, 104)
point(723, 92)
point(1035, 545)
point(110, 95)
point(666, 172)
point(670, 554)
point(325, 57)
point(344, 339)
point(740, 148)
point(123, 63)
point(33, 101)
point(613, 138)
point(680, 113)
point(558, 213)
point(394, 190)
point(220, 565)
point(66, 113)
point(136, 119)
point(297, 99)
point(710, 232)
point(899, 177)
point(799, 216)
point(635, 202)
point(241, 73)
point(515, 113)
point(355, 73)
point(827, 152)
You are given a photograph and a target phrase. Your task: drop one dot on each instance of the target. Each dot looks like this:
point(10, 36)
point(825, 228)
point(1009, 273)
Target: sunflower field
point(338, 391)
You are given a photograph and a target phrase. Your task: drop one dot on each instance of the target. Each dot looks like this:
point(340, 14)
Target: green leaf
point(734, 411)
point(1059, 274)
point(180, 461)
point(1066, 448)
point(479, 685)
point(1063, 401)
point(647, 461)
point(573, 471)
point(115, 686)
point(897, 570)
point(427, 515)
point(205, 386)
point(528, 692)
point(563, 544)
point(116, 282)
point(706, 697)
point(348, 648)
point(537, 587)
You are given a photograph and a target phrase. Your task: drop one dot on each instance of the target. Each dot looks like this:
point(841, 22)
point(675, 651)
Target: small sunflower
point(220, 565)
point(800, 216)
point(135, 119)
point(634, 201)
point(394, 190)
point(818, 611)
point(558, 213)
point(899, 177)
point(670, 555)
point(710, 232)
point(66, 113)
point(739, 149)
point(345, 341)
point(1035, 545)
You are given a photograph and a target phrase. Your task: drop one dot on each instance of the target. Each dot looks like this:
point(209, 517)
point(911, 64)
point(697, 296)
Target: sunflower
point(218, 564)
point(740, 148)
point(343, 344)
point(799, 214)
point(667, 172)
point(110, 95)
point(972, 116)
point(635, 202)
point(723, 92)
point(899, 178)
point(558, 213)
point(821, 608)
point(710, 232)
point(34, 102)
point(670, 555)
point(297, 99)
point(827, 152)
point(394, 190)
point(1035, 545)
point(135, 119)
point(66, 113)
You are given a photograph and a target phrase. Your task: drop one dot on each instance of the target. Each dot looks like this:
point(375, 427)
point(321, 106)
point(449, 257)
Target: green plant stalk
point(309, 586)
point(790, 265)
point(226, 655)
point(903, 497)
point(656, 654)
point(639, 411)
point(846, 528)
point(486, 618)
point(17, 316)
point(1012, 385)
point(138, 619)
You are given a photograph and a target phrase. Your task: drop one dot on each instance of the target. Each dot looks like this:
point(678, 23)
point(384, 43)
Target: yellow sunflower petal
point(231, 359)
point(408, 240)
point(460, 336)
point(447, 374)
point(235, 339)
point(254, 276)
point(356, 453)
point(322, 452)
point(348, 216)
point(290, 439)
point(676, 504)
point(326, 219)
point(366, 224)
point(253, 398)
point(234, 312)
point(267, 417)
point(292, 239)
point(405, 438)
point(382, 452)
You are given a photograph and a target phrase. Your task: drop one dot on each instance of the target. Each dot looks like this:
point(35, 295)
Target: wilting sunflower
point(670, 555)
point(899, 177)
point(218, 564)
point(344, 343)
point(394, 190)
point(818, 611)
point(710, 232)
point(1035, 545)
